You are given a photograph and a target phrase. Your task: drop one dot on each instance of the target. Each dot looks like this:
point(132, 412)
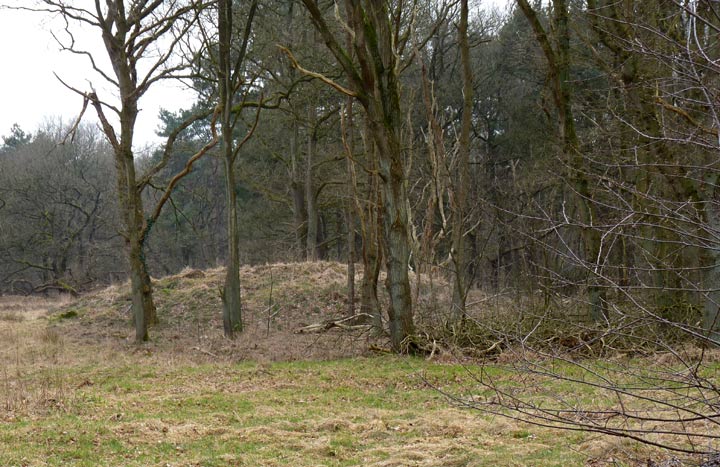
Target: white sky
point(30, 93)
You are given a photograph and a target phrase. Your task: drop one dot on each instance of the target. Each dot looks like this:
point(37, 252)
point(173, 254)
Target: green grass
point(76, 392)
point(384, 411)
point(376, 411)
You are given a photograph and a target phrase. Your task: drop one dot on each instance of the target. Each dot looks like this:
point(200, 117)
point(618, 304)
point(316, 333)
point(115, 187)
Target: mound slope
point(278, 299)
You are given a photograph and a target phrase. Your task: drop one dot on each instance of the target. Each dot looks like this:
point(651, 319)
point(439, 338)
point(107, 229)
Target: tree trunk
point(459, 254)
point(369, 217)
point(232, 311)
point(136, 290)
point(349, 211)
point(350, 221)
point(131, 205)
point(395, 232)
point(372, 261)
point(372, 256)
point(232, 300)
point(385, 117)
point(312, 214)
point(398, 282)
point(298, 194)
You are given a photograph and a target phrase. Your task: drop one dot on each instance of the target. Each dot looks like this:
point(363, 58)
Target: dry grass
point(70, 400)
point(19, 308)
point(277, 299)
point(75, 390)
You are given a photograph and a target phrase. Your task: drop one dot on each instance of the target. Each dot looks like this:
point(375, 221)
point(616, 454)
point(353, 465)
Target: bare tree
point(459, 253)
point(140, 38)
point(651, 157)
point(372, 66)
point(56, 228)
point(555, 45)
point(232, 76)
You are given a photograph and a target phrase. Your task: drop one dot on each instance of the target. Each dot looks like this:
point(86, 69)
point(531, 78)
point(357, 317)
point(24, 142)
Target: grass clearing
point(75, 391)
point(363, 411)
point(140, 410)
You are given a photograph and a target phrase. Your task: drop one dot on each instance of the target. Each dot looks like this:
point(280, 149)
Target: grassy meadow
point(75, 390)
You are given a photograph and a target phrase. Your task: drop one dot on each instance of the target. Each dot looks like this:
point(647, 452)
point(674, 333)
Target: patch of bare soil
point(278, 300)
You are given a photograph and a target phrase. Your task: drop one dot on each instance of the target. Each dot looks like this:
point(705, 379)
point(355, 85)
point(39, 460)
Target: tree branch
point(319, 76)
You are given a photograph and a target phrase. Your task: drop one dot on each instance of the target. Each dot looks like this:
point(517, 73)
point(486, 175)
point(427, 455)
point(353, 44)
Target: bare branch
point(180, 175)
point(319, 76)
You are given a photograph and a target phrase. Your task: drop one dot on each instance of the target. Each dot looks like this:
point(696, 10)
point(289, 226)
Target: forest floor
point(75, 390)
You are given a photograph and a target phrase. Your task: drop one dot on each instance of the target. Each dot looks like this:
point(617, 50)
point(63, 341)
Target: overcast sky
point(31, 94)
point(29, 91)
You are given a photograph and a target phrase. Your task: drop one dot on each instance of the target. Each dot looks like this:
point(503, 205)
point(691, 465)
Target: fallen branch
point(205, 352)
point(377, 348)
point(339, 324)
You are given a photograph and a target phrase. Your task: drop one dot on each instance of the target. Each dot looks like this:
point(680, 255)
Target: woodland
point(540, 181)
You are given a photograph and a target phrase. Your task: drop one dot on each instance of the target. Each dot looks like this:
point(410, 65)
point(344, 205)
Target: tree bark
point(395, 232)
point(369, 216)
point(350, 209)
point(144, 313)
point(232, 304)
point(311, 247)
point(232, 299)
point(373, 75)
point(459, 253)
point(372, 262)
point(298, 194)
point(131, 206)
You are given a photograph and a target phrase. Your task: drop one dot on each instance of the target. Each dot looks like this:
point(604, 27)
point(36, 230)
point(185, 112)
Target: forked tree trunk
point(374, 79)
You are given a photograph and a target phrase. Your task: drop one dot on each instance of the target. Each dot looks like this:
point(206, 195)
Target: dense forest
point(561, 155)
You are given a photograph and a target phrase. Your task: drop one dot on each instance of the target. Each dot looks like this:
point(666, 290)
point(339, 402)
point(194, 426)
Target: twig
point(270, 305)
point(321, 77)
point(206, 352)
